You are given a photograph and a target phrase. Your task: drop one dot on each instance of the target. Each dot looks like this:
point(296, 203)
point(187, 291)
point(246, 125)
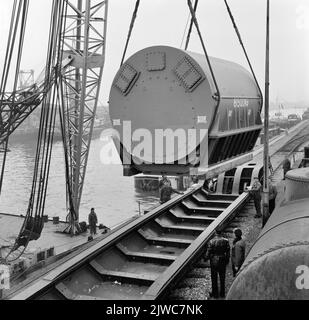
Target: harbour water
point(112, 195)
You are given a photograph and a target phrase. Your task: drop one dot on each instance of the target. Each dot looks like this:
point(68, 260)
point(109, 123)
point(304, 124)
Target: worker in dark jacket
point(218, 252)
point(272, 197)
point(238, 251)
point(256, 193)
point(164, 181)
point(166, 192)
point(92, 220)
point(286, 166)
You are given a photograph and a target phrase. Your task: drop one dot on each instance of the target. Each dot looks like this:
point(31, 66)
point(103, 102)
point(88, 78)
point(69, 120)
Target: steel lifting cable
point(134, 15)
point(194, 19)
point(22, 8)
point(242, 44)
point(45, 140)
point(190, 27)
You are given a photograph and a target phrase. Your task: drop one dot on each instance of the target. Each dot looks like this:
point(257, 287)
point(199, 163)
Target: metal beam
point(84, 40)
point(266, 127)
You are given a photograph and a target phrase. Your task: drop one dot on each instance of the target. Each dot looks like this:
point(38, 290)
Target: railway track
point(147, 258)
point(288, 150)
point(196, 284)
point(144, 260)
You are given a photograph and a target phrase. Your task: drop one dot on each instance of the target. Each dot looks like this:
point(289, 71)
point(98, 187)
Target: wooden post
point(266, 127)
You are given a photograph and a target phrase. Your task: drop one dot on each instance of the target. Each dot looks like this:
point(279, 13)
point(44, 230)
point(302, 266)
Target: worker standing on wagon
point(238, 251)
point(286, 166)
point(164, 181)
point(166, 192)
point(218, 252)
point(92, 220)
point(255, 192)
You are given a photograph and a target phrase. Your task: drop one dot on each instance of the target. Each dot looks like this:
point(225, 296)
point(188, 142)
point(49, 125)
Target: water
point(112, 195)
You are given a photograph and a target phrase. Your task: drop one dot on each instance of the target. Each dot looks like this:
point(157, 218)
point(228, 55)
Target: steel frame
point(25, 78)
point(83, 39)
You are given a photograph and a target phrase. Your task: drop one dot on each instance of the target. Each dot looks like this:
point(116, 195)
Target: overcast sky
point(163, 22)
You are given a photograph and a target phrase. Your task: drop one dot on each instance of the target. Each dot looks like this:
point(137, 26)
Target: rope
point(194, 19)
point(242, 44)
point(184, 31)
point(33, 223)
point(191, 25)
point(134, 15)
point(22, 8)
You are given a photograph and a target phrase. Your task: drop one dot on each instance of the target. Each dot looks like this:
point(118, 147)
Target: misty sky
point(163, 22)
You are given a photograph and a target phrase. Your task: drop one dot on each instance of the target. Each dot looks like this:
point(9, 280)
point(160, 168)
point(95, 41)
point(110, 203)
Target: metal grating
point(155, 61)
point(188, 74)
point(126, 79)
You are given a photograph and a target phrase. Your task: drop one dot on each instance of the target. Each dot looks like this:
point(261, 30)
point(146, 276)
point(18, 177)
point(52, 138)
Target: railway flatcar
point(173, 111)
point(277, 266)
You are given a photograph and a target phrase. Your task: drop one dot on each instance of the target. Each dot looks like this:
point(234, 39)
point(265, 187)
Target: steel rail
point(77, 261)
point(160, 287)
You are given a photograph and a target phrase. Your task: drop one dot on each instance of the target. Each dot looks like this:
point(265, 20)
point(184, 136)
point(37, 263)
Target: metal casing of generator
point(277, 265)
point(297, 184)
point(169, 89)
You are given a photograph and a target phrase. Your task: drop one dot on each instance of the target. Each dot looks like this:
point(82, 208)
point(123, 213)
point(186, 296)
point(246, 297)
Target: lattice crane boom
point(17, 106)
point(84, 40)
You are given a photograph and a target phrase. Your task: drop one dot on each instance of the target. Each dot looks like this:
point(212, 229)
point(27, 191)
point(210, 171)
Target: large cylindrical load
point(277, 266)
point(168, 114)
point(297, 184)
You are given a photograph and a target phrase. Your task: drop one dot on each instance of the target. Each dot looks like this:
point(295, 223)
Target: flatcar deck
point(130, 264)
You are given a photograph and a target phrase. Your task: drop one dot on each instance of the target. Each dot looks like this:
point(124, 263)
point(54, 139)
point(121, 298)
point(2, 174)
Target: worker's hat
point(237, 232)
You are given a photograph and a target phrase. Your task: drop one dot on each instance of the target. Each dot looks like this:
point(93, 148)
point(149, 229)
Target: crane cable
point(190, 27)
point(194, 20)
point(33, 223)
point(19, 12)
point(242, 44)
point(134, 15)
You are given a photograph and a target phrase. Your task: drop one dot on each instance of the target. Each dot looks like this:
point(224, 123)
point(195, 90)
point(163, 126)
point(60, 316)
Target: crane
point(73, 73)
point(83, 39)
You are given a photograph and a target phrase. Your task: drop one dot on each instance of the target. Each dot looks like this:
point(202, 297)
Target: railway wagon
point(172, 111)
point(277, 266)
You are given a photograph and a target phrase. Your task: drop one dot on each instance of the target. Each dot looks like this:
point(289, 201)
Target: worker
point(238, 251)
point(255, 192)
point(163, 181)
point(195, 182)
point(166, 192)
point(218, 252)
point(272, 197)
point(92, 220)
point(286, 166)
point(210, 185)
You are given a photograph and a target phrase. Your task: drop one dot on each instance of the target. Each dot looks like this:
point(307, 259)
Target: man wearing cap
point(238, 251)
point(218, 252)
point(92, 220)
